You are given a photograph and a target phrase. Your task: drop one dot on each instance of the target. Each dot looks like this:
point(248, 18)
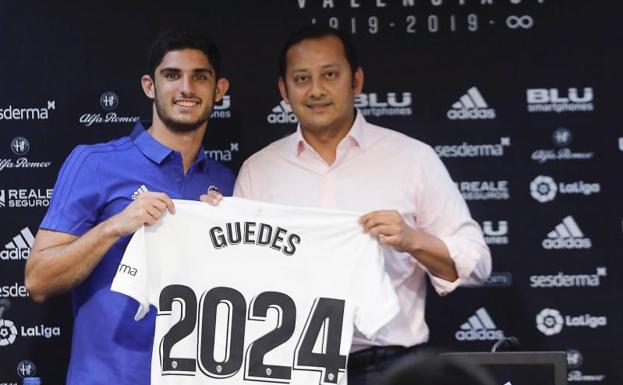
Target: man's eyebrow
point(306, 69)
point(195, 70)
point(204, 69)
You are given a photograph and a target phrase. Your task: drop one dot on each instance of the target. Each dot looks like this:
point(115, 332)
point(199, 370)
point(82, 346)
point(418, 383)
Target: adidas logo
point(566, 235)
point(139, 191)
point(471, 106)
point(282, 113)
point(479, 327)
point(2, 199)
point(19, 247)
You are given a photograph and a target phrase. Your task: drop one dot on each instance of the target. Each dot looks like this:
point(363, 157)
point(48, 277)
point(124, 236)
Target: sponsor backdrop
point(518, 97)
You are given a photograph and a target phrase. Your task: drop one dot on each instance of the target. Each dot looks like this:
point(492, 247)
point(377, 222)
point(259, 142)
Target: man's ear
point(283, 90)
point(148, 86)
point(358, 81)
point(222, 85)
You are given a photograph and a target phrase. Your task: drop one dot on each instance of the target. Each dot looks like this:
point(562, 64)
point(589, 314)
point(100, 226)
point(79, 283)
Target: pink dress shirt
point(378, 169)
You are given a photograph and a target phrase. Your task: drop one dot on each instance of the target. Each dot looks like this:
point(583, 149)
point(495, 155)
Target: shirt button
point(172, 156)
point(178, 179)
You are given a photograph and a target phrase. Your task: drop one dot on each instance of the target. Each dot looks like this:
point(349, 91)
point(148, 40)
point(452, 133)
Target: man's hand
point(213, 197)
point(390, 229)
point(147, 209)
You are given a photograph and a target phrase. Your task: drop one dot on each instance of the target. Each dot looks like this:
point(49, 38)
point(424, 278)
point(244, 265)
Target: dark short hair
point(318, 31)
point(181, 38)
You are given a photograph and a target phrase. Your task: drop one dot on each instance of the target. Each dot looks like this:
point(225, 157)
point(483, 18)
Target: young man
point(338, 160)
point(105, 192)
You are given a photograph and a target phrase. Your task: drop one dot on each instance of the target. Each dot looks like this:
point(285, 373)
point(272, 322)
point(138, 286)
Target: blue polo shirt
point(95, 183)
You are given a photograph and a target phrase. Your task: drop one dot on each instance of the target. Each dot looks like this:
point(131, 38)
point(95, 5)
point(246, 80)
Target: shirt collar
point(157, 151)
point(356, 134)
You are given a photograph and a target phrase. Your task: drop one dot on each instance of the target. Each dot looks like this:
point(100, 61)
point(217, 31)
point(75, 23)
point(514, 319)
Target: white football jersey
point(251, 291)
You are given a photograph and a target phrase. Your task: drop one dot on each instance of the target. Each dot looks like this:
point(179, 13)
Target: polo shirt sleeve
point(375, 298)
point(131, 278)
point(444, 214)
point(77, 197)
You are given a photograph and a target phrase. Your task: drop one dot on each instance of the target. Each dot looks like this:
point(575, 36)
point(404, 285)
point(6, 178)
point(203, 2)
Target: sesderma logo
point(27, 113)
point(471, 106)
point(224, 155)
point(466, 150)
point(479, 327)
point(568, 280)
point(19, 247)
point(566, 235)
point(282, 113)
point(551, 321)
point(13, 291)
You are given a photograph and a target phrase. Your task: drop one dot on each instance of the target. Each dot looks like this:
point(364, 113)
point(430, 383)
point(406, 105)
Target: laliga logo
point(8, 332)
point(543, 188)
point(549, 321)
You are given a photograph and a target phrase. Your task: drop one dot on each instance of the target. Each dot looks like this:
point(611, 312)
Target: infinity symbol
point(514, 22)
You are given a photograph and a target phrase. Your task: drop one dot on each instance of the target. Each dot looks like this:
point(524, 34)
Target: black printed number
point(284, 305)
point(186, 297)
point(326, 321)
point(324, 324)
point(236, 308)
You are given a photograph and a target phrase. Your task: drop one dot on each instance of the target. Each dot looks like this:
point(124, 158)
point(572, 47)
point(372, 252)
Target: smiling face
point(320, 86)
point(184, 90)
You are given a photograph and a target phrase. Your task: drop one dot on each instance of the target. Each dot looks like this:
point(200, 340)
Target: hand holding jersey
point(256, 291)
point(147, 209)
point(390, 228)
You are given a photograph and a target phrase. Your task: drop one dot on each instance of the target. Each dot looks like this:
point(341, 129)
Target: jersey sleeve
point(376, 300)
point(132, 274)
point(77, 196)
